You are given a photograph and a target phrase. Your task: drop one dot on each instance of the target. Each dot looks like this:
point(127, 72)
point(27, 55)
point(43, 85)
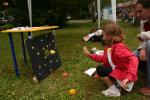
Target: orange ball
point(65, 74)
point(96, 76)
point(72, 91)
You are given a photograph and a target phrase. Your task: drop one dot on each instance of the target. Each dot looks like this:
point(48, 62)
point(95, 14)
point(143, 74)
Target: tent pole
point(30, 14)
point(99, 12)
point(113, 4)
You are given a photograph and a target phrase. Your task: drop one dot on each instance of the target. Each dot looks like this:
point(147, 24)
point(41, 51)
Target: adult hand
point(86, 51)
point(142, 55)
point(124, 83)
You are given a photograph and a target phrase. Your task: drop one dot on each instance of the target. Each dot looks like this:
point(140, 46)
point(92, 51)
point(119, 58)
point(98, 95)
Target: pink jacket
point(125, 61)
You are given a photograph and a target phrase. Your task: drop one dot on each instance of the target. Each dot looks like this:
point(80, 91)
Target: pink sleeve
point(124, 54)
point(97, 58)
point(132, 68)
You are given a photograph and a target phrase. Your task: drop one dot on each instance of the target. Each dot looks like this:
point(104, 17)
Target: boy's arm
point(143, 37)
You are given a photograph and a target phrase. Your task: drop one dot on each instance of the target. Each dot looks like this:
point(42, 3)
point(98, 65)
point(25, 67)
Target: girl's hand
point(86, 51)
point(124, 83)
point(143, 54)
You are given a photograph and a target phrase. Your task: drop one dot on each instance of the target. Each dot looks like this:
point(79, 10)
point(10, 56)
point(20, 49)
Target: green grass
point(55, 87)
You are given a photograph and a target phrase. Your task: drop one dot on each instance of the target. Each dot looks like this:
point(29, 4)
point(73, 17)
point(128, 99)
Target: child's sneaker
point(112, 93)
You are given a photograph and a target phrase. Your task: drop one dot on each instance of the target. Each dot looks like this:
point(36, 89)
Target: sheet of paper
point(90, 71)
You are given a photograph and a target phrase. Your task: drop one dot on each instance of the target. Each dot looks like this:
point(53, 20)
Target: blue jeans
point(145, 66)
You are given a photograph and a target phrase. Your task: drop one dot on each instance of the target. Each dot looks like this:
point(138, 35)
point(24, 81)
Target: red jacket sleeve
point(97, 58)
point(132, 68)
point(124, 54)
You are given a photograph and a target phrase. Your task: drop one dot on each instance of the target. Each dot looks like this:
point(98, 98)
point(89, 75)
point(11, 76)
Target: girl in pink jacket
point(118, 62)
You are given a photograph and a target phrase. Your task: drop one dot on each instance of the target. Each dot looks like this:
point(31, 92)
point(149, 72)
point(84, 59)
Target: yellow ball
point(52, 52)
point(72, 91)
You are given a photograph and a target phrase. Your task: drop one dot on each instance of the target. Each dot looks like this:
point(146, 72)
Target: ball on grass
point(72, 91)
point(52, 52)
point(65, 74)
point(96, 76)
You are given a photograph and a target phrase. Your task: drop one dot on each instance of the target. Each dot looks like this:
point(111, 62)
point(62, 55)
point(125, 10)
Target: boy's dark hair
point(145, 3)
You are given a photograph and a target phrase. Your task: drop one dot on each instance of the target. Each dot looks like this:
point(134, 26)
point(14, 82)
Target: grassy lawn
point(55, 87)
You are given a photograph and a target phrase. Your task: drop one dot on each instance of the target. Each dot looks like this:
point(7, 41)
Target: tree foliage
point(52, 12)
point(108, 2)
point(77, 9)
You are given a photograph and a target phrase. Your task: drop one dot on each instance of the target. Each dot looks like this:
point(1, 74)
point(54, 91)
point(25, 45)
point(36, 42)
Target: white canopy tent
point(113, 4)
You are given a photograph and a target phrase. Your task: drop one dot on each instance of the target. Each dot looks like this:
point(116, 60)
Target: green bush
point(47, 12)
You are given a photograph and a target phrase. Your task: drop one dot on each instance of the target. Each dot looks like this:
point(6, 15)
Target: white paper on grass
point(90, 71)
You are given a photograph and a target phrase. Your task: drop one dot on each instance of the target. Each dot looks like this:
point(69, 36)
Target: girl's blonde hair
point(113, 29)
